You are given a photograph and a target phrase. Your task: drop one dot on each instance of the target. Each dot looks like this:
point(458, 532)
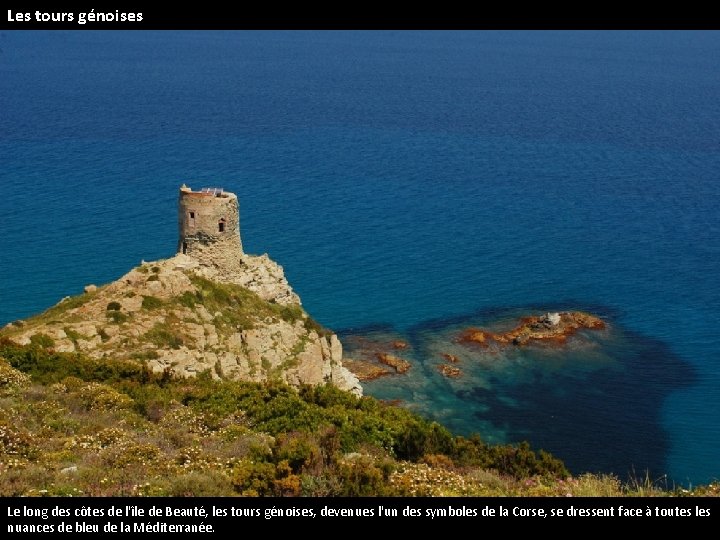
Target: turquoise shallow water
point(410, 184)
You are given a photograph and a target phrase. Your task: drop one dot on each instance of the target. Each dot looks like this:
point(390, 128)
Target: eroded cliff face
point(237, 317)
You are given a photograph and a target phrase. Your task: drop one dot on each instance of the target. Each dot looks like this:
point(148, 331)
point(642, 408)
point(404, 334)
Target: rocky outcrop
point(549, 328)
point(259, 274)
point(395, 362)
point(188, 317)
point(376, 355)
point(367, 371)
point(449, 371)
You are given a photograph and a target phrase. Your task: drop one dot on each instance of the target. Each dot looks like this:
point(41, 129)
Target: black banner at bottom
point(222, 516)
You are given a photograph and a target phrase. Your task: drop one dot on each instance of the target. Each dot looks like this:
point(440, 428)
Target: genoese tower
point(208, 222)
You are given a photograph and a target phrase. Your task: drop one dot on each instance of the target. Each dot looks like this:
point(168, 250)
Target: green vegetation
point(72, 425)
point(42, 340)
point(164, 335)
point(118, 317)
point(239, 308)
point(114, 306)
point(311, 325)
point(73, 335)
point(56, 313)
point(189, 299)
point(151, 302)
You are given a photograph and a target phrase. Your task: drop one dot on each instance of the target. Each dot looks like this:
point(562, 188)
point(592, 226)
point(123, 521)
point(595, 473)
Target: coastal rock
point(450, 358)
point(366, 371)
point(399, 344)
point(170, 314)
point(449, 371)
point(395, 362)
point(549, 328)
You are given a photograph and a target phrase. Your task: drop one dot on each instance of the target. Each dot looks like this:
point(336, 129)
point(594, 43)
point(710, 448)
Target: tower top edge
point(206, 192)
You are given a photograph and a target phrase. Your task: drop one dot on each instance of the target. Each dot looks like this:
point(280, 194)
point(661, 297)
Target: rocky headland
point(182, 314)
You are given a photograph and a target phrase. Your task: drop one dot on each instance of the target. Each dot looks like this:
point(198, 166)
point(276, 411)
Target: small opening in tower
point(192, 219)
point(221, 225)
point(184, 247)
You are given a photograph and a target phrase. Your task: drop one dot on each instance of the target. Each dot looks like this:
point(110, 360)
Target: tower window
point(221, 225)
point(191, 220)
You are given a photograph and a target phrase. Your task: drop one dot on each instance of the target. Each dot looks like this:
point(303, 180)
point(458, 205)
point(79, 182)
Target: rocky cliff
point(239, 319)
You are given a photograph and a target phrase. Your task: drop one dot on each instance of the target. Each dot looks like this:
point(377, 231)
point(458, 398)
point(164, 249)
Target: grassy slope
point(72, 425)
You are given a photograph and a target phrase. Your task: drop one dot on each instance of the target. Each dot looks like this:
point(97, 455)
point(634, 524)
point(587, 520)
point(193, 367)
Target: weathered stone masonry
point(206, 217)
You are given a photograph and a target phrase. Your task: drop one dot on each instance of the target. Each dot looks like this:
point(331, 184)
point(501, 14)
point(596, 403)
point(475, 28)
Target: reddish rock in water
point(400, 365)
point(399, 344)
point(552, 328)
point(449, 371)
point(366, 371)
point(450, 358)
point(476, 335)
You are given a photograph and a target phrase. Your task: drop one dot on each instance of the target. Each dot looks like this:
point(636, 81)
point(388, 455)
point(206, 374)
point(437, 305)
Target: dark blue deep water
point(411, 184)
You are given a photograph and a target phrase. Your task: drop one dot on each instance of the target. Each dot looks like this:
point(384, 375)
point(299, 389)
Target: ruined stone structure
point(209, 227)
point(208, 218)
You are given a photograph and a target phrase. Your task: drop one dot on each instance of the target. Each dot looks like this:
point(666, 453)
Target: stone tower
point(209, 223)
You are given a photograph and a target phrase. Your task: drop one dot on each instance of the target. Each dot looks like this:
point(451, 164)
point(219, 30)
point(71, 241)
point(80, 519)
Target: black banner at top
point(25, 16)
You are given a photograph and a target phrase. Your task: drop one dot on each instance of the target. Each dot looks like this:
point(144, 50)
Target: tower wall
point(207, 219)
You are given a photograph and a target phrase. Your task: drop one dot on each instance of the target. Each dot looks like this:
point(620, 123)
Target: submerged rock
point(449, 371)
point(550, 328)
point(397, 363)
point(366, 371)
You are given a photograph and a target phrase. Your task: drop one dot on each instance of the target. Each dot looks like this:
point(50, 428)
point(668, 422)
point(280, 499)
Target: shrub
point(72, 334)
point(300, 451)
point(252, 478)
point(419, 438)
point(101, 397)
point(42, 340)
point(208, 483)
point(361, 477)
point(290, 313)
point(132, 453)
point(118, 317)
point(188, 299)
point(104, 336)
point(46, 368)
point(311, 325)
point(11, 380)
point(114, 306)
point(163, 335)
point(151, 302)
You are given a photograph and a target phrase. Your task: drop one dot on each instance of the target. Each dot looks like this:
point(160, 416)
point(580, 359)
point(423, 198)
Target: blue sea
point(411, 184)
